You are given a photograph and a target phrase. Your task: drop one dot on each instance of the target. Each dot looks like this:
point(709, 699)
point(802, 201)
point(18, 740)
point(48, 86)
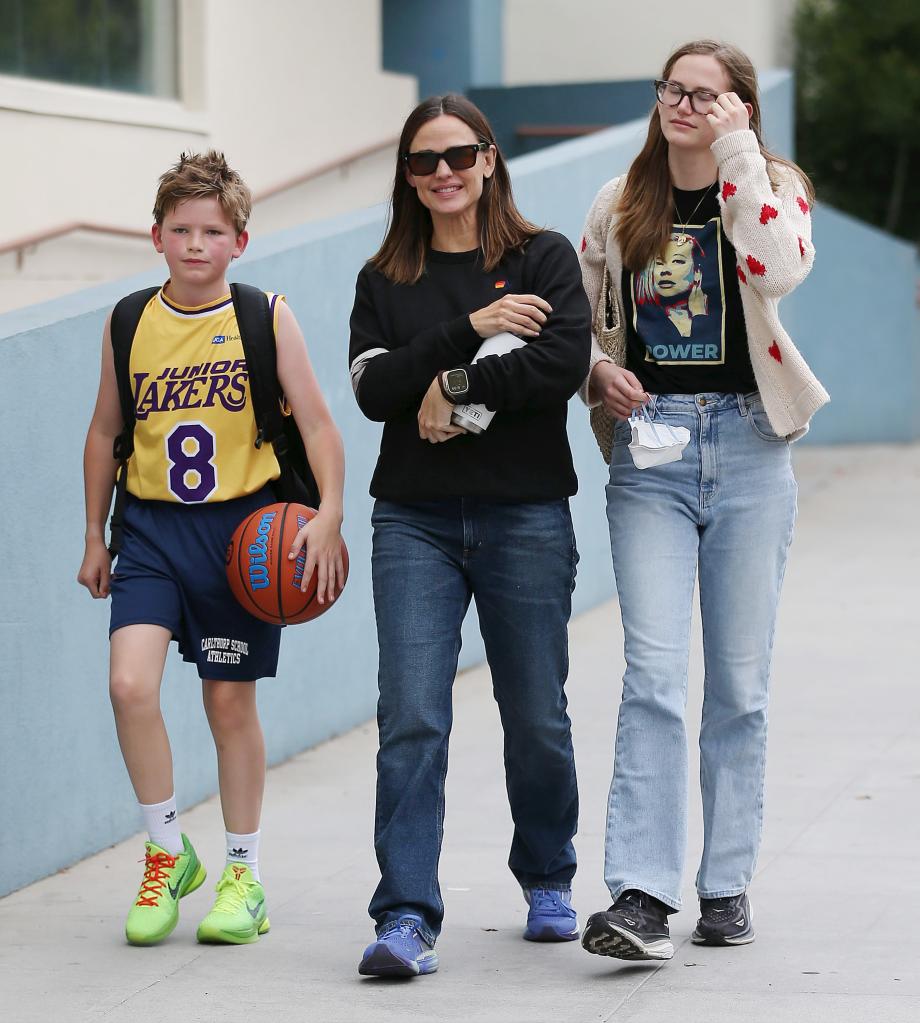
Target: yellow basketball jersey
point(194, 439)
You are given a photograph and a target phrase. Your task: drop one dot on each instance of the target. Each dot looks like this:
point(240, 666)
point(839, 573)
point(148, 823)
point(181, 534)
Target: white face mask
point(655, 443)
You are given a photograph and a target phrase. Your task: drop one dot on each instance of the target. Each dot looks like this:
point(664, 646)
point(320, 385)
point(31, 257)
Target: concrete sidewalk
point(835, 899)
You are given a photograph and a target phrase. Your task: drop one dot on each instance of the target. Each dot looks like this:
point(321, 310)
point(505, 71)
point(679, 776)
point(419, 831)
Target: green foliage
point(858, 107)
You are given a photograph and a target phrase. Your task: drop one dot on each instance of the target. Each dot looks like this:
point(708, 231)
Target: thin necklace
point(682, 237)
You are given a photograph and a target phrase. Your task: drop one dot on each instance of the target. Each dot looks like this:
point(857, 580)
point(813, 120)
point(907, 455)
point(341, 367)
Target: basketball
point(262, 577)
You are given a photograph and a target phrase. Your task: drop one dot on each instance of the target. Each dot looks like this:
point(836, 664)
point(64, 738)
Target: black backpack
point(254, 318)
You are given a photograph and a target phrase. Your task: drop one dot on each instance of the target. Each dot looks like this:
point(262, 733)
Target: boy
point(194, 474)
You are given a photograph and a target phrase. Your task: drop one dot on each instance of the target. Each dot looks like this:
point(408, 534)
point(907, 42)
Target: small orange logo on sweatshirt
point(500, 284)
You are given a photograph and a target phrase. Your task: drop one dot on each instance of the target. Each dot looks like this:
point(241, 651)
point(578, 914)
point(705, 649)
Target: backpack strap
point(257, 333)
point(123, 326)
point(254, 317)
point(125, 319)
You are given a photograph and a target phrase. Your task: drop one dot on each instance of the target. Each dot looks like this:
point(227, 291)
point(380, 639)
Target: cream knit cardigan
point(771, 234)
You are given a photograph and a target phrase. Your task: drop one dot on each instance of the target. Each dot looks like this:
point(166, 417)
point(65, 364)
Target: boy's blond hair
point(198, 176)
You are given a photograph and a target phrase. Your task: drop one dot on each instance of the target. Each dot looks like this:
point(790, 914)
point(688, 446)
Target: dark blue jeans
point(518, 561)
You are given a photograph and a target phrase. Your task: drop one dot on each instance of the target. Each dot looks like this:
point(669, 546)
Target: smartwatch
point(455, 385)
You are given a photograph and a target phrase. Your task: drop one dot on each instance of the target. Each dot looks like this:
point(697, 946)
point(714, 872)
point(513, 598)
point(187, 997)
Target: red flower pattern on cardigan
point(769, 263)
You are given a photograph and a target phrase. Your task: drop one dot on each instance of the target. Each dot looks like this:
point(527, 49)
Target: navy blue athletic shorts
point(171, 571)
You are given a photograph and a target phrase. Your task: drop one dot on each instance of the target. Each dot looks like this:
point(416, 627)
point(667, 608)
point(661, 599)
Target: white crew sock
point(244, 849)
point(162, 823)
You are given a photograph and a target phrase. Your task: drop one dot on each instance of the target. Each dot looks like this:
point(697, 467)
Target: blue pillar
point(449, 47)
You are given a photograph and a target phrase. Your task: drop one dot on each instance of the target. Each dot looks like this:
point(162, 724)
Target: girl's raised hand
point(729, 114)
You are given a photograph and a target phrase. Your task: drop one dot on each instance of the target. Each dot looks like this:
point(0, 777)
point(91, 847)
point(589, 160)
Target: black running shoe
point(635, 927)
point(724, 922)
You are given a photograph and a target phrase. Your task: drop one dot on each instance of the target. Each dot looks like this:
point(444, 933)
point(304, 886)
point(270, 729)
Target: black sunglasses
point(457, 158)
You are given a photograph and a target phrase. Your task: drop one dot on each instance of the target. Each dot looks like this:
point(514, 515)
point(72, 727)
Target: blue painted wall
point(63, 789)
point(448, 47)
point(581, 103)
point(857, 320)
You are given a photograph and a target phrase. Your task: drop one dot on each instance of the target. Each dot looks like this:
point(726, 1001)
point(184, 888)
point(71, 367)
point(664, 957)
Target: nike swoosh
point(255, 912)
point(174, 892)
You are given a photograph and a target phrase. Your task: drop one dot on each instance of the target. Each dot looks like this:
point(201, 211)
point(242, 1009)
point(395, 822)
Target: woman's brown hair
point(646, 205)
point(401, 257)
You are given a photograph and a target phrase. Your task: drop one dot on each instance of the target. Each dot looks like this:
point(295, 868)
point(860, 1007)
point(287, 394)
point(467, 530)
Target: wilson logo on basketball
point(264, 578)
point(258, 554)
point(301, 560)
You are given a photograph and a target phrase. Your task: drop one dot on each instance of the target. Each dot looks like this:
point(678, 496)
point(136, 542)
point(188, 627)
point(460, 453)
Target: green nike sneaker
point(167, 878)
point(238, 916)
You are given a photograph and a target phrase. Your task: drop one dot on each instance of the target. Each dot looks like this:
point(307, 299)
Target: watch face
point(456, 381)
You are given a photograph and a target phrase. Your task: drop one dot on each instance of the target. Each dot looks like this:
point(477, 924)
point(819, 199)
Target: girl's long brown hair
point(401, 257)
point(646, 204)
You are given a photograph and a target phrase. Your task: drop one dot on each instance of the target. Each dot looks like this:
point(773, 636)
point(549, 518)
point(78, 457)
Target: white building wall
point(598, 40)
point(282, 86)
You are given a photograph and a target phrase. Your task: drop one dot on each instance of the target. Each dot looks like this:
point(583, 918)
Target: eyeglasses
point(671, 94)
point(457, 158)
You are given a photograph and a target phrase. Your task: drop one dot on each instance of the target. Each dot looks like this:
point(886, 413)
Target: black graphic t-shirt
point(685, 328)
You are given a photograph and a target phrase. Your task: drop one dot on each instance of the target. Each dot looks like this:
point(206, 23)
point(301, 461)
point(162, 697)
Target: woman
point(673, 283)
point(460, 515)
point(724, 511)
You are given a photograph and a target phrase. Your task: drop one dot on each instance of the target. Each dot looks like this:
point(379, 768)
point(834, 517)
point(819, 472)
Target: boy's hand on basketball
point(434, 423)
point(96, 571)
point(323, 538)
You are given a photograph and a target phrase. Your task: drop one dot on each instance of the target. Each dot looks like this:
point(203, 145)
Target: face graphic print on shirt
point(679, 299)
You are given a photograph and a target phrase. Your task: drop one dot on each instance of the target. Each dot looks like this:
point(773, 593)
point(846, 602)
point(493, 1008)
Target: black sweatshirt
point(408, 333)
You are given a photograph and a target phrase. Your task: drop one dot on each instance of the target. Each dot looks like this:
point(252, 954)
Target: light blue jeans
point(726, 510)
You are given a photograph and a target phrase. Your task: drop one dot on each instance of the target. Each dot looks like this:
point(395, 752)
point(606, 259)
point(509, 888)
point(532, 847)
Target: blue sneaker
point(551, 917)
point(400, 951)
